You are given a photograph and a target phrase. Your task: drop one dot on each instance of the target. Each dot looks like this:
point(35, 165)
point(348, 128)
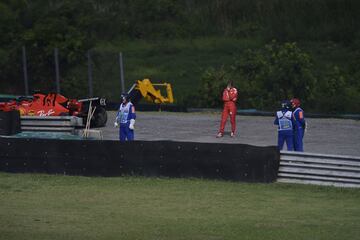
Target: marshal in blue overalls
point(299, 125)
point(284, 120)
point(126, 118)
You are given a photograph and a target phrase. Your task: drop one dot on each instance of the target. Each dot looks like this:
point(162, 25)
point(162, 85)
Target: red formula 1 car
point(53, 104)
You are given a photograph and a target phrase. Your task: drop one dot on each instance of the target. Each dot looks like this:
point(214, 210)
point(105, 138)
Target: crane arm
point(151, 94)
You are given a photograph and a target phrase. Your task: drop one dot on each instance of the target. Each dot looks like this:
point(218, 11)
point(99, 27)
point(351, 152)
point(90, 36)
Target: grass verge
point(34, 206)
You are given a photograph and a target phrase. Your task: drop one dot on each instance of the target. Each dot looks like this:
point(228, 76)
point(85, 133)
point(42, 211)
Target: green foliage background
point(272, 49)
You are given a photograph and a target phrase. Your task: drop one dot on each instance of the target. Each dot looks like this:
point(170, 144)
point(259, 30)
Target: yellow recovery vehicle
point(146, 89)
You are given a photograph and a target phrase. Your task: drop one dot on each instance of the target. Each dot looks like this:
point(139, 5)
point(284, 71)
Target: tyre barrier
point(9, 123)
point(319, 169)
point(51, 123)
point(236, 162)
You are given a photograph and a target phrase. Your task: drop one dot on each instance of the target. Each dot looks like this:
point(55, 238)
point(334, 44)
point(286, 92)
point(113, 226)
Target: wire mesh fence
point(91, 73)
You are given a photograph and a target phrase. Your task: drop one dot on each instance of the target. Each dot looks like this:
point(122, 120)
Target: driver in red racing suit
point(229, 98)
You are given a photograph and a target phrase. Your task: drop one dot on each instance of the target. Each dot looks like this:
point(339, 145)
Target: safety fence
point(51, 123)
point(319, 169)
point(236, 162)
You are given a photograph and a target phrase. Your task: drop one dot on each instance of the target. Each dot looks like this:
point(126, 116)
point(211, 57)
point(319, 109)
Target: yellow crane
point(148, 90)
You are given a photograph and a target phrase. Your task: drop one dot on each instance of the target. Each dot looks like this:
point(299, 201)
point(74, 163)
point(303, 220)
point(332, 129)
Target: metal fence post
point(57, 73)
point(90, 74)
point(26, 83)
point(122, 81)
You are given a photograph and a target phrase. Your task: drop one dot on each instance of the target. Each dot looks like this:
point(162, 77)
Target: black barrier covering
point(5, 123)
point(15, 122)
point(9, 122)
point(238, 162)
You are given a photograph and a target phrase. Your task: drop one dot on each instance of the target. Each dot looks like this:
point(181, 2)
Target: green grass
point(66, 207)
point(180, 62)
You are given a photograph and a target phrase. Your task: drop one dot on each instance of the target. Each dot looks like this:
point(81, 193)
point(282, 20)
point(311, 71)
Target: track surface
point(330, 136)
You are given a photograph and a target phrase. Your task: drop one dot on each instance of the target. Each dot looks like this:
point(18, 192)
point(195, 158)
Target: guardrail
point(50, 123)
point(319, 169)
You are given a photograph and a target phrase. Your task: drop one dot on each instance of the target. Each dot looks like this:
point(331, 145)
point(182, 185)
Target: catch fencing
point(319, 169)
point(87, 74)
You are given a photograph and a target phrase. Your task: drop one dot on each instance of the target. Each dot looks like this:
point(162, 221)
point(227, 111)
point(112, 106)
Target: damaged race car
point(54, 104)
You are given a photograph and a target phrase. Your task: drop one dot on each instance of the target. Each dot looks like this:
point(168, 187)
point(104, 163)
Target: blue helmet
point(125, 96)
point(286, 104)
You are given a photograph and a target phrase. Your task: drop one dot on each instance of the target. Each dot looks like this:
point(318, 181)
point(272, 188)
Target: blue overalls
point(124, 115)
point(284, 120)
point(299, 129)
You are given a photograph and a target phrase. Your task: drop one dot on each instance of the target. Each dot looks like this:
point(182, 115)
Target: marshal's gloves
point(304, 126)
point(132, 124)
point(116, 124)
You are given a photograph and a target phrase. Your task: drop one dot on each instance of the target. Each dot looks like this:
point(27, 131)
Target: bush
point(264, 77)
point(212, 83)
point(335, 93)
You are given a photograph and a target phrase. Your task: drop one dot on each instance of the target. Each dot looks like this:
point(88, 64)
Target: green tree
point(9, 28)
point(334, 94)
point(42, 26)
point(265, 76)
point(212, 82)
point(276, 72)
point(66, 26)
